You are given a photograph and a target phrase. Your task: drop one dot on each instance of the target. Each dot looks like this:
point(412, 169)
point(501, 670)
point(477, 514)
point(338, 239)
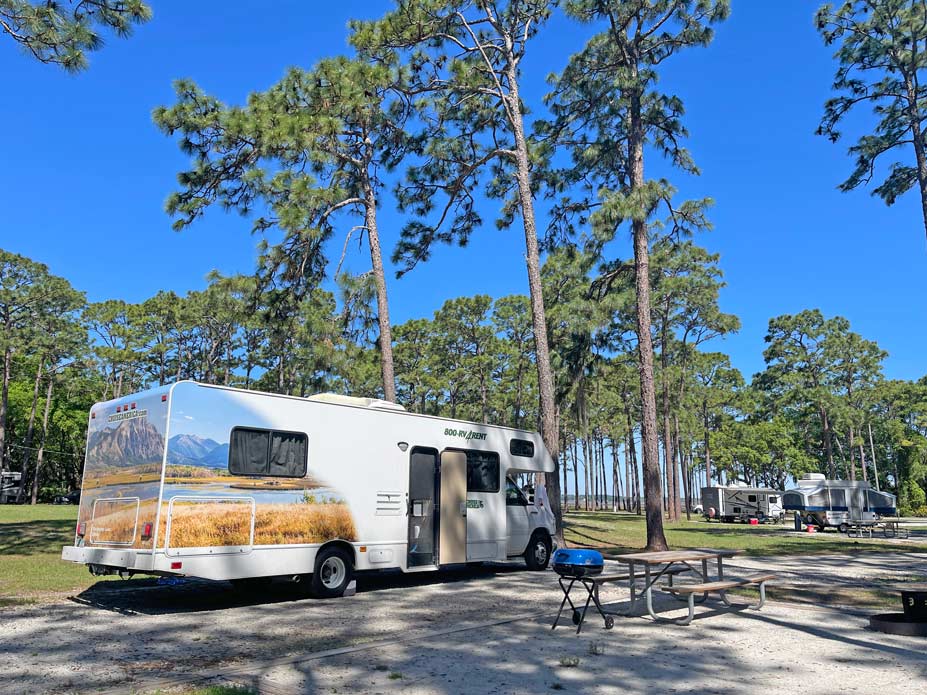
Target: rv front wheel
point(537, 554)
point(333, 572)
point(843, 528)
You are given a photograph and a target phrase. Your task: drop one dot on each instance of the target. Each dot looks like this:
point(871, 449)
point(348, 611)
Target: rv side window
point(751, 498)
point(773, 499)
point(521, 447)
point(513, 496)
point(266, 452)
point(482, 471)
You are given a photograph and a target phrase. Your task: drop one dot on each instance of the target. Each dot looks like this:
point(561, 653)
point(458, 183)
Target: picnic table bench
point(720, 587)
point(658, 564)
point(866, 527)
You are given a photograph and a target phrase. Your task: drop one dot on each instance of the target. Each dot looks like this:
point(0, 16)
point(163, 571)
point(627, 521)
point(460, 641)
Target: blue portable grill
point(579, 566)
point(578, 562)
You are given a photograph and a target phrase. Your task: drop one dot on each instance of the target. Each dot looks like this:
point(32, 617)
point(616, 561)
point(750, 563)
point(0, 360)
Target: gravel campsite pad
point(475, 630)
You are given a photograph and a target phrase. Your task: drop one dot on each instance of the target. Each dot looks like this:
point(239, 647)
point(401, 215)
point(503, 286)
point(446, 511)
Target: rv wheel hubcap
point(333, 572)
point(540, 552)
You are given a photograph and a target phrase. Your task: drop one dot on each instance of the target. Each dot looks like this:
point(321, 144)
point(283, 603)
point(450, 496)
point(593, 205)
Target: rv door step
point(719, 587)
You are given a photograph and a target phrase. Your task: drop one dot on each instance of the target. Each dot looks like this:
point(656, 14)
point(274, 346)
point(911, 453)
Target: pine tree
point(464, 60)
point(882, 56)
point(607, 110)
point(64, 33)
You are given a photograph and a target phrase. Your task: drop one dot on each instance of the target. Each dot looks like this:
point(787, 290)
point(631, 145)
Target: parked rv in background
point(221, 483)
point(10, 482)
point(822, 503)
point(741, 503)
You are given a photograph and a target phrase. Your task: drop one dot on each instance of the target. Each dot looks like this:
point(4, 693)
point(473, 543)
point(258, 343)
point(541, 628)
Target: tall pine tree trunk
point(547, 406)
point(379, 278)
point(653, 492)
point(41, 452)
point(915, 118)
point(30, 430)
point(875, 467)
point(4, 403)
point(828, 444)
point(575, 476)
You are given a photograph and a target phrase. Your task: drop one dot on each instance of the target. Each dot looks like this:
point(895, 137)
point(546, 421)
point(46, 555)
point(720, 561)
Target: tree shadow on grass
point(35, 537)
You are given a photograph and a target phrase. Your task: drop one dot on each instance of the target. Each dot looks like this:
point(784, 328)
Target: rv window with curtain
point(482, 471)
point(521, 447)
point(267, 453)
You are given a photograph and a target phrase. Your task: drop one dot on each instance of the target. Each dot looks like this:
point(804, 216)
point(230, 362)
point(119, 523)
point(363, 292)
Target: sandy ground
point(475, 631)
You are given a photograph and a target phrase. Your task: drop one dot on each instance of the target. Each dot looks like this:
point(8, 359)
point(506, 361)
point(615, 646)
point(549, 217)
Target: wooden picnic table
point(657, 564)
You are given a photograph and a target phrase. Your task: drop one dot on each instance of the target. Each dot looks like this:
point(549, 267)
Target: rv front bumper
point(109, 557)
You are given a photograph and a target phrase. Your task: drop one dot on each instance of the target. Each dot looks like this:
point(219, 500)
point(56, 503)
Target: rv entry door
point(423, 527)
point(453, 545)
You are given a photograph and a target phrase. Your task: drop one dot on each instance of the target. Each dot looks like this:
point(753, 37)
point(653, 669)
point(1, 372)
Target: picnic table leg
point(648, 591)
point(632, 585)
point(688, 618)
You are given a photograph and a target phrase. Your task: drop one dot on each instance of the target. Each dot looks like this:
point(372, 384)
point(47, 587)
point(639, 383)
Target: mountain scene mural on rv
point(209, 506)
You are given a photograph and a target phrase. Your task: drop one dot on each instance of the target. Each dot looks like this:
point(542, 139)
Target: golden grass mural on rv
point(208, 524)
point(217, 523)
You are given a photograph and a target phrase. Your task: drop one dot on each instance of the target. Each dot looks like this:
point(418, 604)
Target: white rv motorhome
point(741, 503)
point(221, 483)
point(821, 502)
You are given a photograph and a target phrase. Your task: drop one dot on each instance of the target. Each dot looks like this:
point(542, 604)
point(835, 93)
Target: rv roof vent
point(813, 476)
point(355, 401)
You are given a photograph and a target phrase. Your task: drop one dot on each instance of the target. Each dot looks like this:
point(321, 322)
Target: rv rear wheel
point(334, 570)
point(537, 554)
point(843, 528)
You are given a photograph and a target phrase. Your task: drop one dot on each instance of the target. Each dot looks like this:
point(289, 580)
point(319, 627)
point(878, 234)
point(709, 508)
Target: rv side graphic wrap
point(236, 477)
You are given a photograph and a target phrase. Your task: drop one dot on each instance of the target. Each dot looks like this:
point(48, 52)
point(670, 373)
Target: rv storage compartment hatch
point(578, 563)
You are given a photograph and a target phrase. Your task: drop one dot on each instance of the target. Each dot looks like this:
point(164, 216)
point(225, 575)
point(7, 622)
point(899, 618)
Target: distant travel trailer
point(741, 503)
point(821, 502)
point(225, 484)
point(10, 482)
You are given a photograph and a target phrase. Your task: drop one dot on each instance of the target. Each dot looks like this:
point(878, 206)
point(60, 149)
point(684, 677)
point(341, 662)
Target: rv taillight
point(164, 398)
point(176, 565)
point(146, 531)
point(133, 406)
point(93, 416)
point(81, 528)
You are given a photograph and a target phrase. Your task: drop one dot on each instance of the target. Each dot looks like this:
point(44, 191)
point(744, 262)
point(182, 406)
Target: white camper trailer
point(226, 484)
point(741, 503)
point(10, 483)
point(821, 502)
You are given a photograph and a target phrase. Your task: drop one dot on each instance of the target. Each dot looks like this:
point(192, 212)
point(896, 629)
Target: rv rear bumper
point(109, 557)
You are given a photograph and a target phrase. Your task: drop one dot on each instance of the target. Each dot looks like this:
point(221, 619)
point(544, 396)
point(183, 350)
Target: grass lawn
point(31, 539)
point(615, 533)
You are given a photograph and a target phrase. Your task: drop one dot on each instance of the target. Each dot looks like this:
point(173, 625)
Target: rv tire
point(843, 528)
point(334, 570)
point(537, 554)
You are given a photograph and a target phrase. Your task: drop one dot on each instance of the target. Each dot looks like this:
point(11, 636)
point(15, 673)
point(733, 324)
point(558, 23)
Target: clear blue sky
point(84, 173)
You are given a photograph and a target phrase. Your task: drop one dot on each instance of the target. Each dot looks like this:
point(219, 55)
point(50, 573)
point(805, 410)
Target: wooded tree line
point(427, 114)
point(821, 404)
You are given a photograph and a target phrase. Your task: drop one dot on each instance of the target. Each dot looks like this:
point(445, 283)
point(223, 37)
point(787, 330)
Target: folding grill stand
point(592, 589)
